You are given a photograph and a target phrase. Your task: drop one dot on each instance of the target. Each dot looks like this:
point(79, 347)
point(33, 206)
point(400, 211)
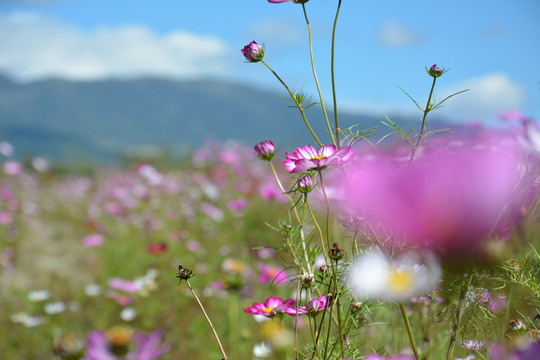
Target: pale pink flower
point(253, 52)
point(274, 274)
point(13, 168)
point(93, 240)
point(124, 285)
point(313, 307)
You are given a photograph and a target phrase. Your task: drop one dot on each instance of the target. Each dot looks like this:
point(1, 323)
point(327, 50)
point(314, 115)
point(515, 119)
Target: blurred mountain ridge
point(98, 121)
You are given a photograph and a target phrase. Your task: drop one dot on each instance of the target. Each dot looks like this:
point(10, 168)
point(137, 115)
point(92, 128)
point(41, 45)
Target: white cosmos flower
point(375, 276)
point(262, 351)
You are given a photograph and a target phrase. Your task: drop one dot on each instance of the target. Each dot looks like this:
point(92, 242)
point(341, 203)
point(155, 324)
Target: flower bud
point(253, 52)
point(265, 150)
point(184, 273)
point(305, 184)
point(435, 71)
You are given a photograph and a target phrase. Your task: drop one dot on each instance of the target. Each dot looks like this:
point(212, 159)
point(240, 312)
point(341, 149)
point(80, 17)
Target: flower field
point(380, 243)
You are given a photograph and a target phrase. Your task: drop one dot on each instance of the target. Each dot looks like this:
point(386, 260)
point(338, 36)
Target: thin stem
point(208, 320)
point(457, 319)
point(318, 229)
point(336, 123)
point(297, 217)
point(334, 269)
point(315, 76)
point(409, 331)
point(426, 110)
point(300, 108)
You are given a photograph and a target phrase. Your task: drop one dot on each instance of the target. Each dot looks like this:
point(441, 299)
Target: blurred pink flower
point(5, 218)
point(274, 274)
point(13, 168)
point(270, 191)
point(271, 307)
point(237, 205)
point(393, 357)
point(308, 158)
point(93, 240)
point(124, 285)
point(445, 201)
point(100, 345)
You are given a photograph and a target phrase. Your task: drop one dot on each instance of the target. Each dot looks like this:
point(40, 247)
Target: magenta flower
point(115, 344)
point(271, 307)
point(282, 1)
point(273, 274)
point(308, 158)
point(444, 201)
point(313, 307)
point(93, 240)
point(253, 52)
point(265, 150)
point(305, 184)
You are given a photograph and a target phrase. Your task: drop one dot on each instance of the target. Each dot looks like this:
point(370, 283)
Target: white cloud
point(38, 47)
point(488, 96)
point(397, 35)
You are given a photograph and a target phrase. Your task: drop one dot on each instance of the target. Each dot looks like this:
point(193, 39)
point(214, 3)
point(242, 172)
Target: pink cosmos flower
point(271, 307)
point(308, 158)
point(313, 307)
point(446, 201)
point(93, 240)
point(124, 285)
point(253, 52)
point(265, 150)
point(146, 347)
point(282, 1)
point(274, 274)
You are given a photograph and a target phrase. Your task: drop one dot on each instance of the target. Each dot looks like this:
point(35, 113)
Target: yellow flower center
point(318, 157)
point(400, 281)
point(269, 310)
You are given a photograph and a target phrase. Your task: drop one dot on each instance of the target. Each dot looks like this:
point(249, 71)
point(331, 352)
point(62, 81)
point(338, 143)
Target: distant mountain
point(97, 121)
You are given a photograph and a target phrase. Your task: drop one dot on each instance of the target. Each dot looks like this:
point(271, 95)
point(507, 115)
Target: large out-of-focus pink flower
point(445, 201)
point(274, 274)
point(271, 307)
point(309, 158)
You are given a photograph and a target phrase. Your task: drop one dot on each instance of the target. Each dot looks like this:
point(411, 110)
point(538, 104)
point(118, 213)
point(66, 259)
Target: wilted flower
point(271, 307)
point(308, 158)
point(265, 150)
point(253, 52)
point(375, 276)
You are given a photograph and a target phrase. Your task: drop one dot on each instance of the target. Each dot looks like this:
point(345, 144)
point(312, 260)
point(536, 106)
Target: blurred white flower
point(6, 149)
point(377, 277)
point(55, 307)
point(92, 290)
point(39, 295)
point(128, 314)
point(262, 351)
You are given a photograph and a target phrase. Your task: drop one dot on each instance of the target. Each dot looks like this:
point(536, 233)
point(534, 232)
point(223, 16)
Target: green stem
point(409, 331)
point(457, 318)
point(318, 229)
point(298, 105)
point(315, 76)
point(334, 269)
point(208, 320)
point(297, 217)
point(426, 111)
point(336, 123)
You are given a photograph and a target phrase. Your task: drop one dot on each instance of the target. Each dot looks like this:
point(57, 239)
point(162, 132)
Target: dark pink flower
point(308, 158)
point(313, 307)
point(253, 52)
point(271, 307)
point(265, 150)
point(282, 1)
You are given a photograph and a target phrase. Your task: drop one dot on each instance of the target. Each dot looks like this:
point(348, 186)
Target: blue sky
point(490, 46)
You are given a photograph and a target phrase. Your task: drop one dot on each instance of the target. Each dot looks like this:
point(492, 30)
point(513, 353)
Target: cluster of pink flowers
point(274, 306)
